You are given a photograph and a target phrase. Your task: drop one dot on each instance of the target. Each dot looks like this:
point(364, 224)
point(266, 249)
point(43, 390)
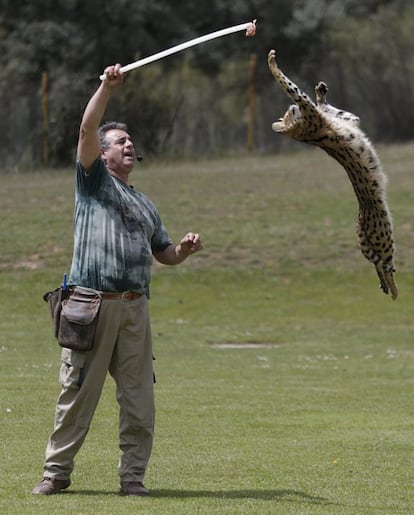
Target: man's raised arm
point(88, 143)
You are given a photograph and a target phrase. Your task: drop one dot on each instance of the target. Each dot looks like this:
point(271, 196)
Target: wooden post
point(252, 96)
point(45, 111)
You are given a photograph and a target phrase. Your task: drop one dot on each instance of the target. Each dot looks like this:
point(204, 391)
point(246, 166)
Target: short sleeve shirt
point(116, 231)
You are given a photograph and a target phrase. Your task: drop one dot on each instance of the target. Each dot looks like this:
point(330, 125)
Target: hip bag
point(74, 316)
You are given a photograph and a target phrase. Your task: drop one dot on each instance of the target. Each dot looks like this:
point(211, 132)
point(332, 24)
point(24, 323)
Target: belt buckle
point(126, 295)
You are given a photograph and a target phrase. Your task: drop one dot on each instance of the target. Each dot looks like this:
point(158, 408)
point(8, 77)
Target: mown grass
point(312, 415)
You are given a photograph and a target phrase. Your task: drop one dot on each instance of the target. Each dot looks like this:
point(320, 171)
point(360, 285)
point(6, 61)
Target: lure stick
point(250, 31)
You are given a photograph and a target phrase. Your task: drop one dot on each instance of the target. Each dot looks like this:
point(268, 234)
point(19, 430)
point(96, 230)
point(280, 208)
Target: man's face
point(120, 154)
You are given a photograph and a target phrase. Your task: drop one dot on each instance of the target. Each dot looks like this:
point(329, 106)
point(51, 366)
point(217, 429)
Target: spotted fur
point(338, 133)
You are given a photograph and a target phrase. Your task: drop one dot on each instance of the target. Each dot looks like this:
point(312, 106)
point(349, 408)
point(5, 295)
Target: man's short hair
point(109, 126)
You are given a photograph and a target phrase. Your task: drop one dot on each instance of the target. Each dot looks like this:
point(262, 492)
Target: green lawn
point(284, 375)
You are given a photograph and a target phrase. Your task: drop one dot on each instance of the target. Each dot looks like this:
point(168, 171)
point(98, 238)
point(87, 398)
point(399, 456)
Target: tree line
point(199, 101)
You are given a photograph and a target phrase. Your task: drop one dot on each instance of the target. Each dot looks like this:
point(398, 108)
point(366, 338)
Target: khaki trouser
point(123, 346)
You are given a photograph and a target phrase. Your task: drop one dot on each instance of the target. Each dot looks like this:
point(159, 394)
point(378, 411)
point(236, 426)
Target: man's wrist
point(180, 252)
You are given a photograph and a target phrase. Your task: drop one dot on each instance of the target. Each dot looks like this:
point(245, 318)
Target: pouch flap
point(81, 308)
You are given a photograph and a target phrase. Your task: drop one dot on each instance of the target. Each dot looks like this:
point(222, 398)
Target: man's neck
point(121, 177)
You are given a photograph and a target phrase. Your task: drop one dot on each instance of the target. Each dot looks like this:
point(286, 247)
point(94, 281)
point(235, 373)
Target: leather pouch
point(78, 319)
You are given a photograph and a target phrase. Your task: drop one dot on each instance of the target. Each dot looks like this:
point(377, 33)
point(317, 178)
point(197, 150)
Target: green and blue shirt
point(116, 231)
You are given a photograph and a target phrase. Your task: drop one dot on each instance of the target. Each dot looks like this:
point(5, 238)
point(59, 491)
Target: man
point(117, 231)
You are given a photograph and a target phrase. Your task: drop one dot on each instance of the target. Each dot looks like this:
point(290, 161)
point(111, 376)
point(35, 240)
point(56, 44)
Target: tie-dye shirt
point(116, 231)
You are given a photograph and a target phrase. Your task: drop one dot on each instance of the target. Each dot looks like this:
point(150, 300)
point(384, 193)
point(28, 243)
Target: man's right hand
point(113, 76)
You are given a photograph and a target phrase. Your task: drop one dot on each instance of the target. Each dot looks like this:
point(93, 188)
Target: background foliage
point(196, 102)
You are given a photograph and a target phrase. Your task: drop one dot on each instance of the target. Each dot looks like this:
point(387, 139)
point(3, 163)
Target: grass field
point(284, 375)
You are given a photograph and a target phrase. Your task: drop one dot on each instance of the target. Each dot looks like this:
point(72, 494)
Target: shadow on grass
point(266, 495)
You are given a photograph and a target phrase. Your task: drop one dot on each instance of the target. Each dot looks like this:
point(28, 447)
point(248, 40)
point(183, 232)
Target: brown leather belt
point(126, 295)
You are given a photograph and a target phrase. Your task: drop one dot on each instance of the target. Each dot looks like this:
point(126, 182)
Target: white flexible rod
point(250, 28)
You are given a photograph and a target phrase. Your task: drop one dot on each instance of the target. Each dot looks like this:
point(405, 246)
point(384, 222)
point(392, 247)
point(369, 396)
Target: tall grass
point(284, 375)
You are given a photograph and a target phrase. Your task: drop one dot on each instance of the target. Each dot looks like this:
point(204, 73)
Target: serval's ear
point(321, 92)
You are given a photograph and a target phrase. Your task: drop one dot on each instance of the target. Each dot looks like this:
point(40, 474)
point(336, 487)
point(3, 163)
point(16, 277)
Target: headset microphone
point(139, 158)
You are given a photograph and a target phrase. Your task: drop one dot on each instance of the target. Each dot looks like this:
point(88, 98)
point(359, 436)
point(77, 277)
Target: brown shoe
point(134, 488)
point(50, 486)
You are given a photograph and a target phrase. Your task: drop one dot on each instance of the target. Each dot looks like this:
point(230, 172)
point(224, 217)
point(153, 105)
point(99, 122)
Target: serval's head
point(290, 124)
